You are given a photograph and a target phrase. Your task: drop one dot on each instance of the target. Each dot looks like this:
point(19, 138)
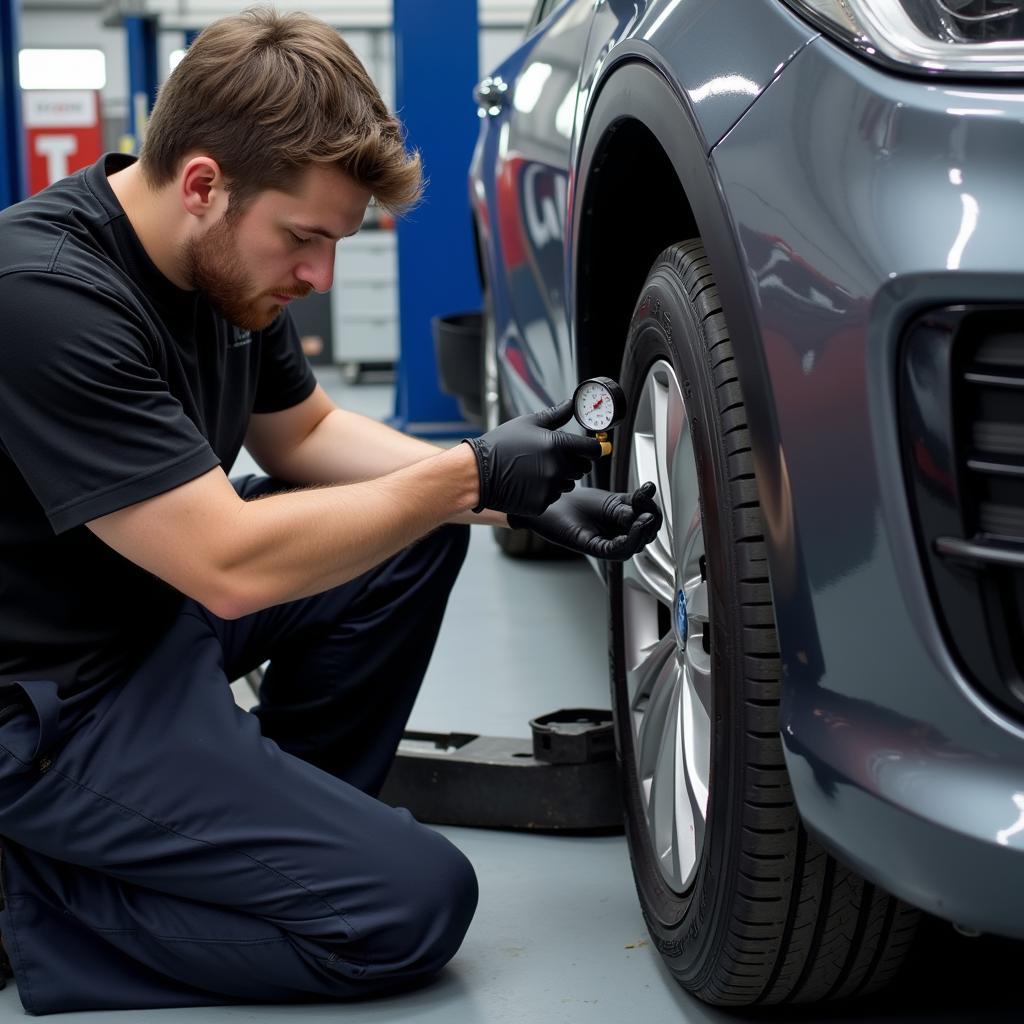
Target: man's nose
point(318, 271)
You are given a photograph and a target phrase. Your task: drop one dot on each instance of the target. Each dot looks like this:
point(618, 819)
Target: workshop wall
point(72, 28)
point(357, 325)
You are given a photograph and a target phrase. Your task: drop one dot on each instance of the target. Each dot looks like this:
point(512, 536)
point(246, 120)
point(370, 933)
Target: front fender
point(638, 91)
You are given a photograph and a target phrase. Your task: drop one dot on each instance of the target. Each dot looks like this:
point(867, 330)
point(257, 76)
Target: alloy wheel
point(667, 635)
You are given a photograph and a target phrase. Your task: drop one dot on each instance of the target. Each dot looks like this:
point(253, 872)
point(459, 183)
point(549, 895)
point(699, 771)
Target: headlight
point(938, 36)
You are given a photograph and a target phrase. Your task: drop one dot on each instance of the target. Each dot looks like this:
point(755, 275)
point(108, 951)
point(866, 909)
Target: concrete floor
point(558, 937)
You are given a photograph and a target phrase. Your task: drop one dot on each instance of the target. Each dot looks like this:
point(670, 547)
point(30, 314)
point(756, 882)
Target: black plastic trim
point(981, 552)
point(959, 411)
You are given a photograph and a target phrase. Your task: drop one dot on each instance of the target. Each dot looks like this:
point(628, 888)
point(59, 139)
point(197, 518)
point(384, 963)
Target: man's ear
point(203, 190)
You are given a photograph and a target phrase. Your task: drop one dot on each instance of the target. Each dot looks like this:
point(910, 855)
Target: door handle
point(491, 96)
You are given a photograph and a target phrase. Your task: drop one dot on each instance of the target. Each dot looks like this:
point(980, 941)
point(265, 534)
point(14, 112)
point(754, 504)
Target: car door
point(519, 184)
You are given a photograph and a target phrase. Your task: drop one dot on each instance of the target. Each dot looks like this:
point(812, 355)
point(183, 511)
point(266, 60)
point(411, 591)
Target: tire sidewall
point(687, 928)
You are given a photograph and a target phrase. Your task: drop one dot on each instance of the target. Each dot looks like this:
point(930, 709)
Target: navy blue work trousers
point(176, 850)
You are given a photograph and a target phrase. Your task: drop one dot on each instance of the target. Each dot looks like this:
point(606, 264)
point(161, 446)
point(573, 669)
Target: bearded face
point(277, 246)
point(215, 265)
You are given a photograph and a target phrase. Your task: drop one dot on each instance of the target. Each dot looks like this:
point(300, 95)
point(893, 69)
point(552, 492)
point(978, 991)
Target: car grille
point(962, 423)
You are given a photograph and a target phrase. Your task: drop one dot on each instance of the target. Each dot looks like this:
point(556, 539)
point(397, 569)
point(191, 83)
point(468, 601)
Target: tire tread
point(801, 927)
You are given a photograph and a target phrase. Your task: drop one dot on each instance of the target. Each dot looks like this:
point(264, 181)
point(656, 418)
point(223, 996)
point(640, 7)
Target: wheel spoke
point(690, 528)
point(663, 739)
point(660, 421)
point(655, 561)
point(666, 436)
point(686, 519)
point(640, 611)
point(689, 818)
point(651, 689)
point(653, 571)
point(645, 457)
point(697, 654)
point(696, 744)
point(696, 589)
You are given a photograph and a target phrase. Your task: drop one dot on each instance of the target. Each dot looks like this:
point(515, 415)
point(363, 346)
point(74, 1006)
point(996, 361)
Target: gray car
point(793, 231)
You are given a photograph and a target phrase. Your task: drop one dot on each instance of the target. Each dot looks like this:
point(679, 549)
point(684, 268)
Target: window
point(62, 69)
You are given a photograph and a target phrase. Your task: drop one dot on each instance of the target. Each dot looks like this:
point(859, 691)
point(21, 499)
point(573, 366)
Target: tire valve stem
point(606, 445)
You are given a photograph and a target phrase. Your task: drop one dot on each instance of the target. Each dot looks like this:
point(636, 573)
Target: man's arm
point(315, 442)
point(236, 557)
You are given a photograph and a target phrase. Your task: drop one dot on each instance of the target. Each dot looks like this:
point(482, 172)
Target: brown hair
point(267, 95)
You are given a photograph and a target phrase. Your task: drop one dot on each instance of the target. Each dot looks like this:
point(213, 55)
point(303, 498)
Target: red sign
point(62, 133)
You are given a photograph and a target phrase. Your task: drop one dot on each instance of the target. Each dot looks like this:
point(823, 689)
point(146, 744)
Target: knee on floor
point(412, 917)
point(434, 903)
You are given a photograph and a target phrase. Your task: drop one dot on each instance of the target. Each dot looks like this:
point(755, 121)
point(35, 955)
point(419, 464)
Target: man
point(161, 846)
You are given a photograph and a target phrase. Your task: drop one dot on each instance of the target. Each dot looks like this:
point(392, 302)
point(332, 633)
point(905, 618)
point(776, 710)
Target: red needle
point(598, 402)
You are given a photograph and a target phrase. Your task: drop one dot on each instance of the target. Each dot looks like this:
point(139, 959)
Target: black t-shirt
point(115, 386)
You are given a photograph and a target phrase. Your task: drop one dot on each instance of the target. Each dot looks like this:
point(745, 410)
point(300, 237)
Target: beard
point(213, 265)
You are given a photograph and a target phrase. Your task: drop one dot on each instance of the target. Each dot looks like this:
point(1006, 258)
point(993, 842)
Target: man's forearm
point(296, 544)
point(347, 447)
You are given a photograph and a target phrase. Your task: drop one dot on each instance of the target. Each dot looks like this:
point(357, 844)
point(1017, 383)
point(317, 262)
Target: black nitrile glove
point(526, 463)
point(598, 523)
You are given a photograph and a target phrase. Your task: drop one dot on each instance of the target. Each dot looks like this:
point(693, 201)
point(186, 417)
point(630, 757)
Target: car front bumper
point(858, 199)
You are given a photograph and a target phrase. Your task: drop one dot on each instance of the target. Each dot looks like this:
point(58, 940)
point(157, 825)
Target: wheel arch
point(638, 114)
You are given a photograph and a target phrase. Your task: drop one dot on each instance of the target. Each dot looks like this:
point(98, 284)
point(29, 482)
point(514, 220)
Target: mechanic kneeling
point(163, 847)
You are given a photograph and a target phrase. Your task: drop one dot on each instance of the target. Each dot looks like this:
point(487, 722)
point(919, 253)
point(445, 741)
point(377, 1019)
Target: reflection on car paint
point(529, 208)
point(844, 192)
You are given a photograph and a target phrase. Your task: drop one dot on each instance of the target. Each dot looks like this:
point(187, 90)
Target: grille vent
point(962, 420)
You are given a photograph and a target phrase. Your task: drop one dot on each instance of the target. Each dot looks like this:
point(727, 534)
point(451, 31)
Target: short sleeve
point(85, 414)
point(286, 377)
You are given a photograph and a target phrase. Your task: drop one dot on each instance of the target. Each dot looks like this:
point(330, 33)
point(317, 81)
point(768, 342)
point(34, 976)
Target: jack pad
point(497, 782)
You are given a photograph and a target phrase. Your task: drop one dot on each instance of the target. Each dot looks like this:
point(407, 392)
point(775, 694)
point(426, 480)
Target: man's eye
point(297, 239)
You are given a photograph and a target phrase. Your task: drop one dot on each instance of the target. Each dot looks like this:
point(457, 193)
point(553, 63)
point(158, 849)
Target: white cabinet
point(364, 299)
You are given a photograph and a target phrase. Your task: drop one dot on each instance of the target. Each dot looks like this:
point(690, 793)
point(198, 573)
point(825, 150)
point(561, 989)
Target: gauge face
point(595, 406)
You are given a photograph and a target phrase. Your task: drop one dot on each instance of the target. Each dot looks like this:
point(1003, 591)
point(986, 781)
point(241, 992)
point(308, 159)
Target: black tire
point(769, 917)
point(519, 544)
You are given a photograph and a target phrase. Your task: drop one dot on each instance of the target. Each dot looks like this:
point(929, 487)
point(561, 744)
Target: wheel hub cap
point(681, 620)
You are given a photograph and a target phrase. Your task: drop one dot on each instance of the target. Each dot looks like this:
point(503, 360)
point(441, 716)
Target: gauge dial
point(599, 404)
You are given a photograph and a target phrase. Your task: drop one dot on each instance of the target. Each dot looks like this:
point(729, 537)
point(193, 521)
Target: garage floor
point(558, 937)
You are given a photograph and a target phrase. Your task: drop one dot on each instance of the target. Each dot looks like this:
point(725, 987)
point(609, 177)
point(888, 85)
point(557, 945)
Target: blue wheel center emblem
point(681, 619)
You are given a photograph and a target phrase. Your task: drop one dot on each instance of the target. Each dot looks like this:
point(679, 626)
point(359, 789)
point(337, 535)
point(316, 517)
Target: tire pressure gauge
point(598, 404)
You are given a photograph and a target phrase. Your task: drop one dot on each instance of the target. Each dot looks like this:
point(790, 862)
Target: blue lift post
point(12, 137)
point(142, 73)
point(435, 71)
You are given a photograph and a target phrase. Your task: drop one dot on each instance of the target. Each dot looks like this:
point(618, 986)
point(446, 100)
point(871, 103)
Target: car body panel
point(899, 205)
point(527, 142)
point(835, 200)
point(639, 90)
point(532, 141)
point(718, 59)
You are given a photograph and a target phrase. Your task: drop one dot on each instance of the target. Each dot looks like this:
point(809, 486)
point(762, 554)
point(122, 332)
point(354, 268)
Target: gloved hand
point(598, 523)
point(526, 463)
